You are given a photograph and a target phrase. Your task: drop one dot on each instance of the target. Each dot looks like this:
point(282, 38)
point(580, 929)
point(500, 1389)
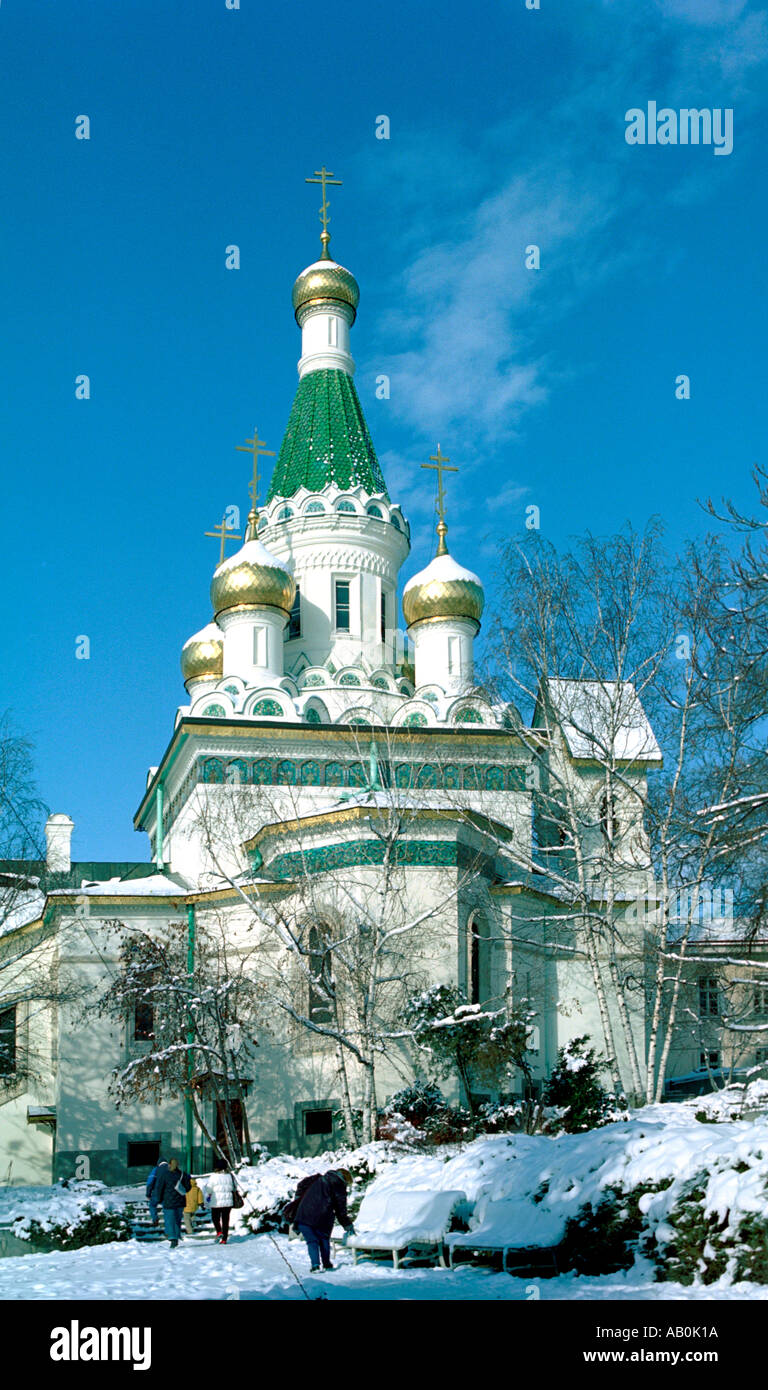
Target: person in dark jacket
point(170, 1190)
point(319, 1200)
point(150, 1189)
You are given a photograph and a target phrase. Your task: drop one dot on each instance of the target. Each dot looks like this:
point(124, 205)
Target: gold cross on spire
point(439, 463)
point(255, 447)
point(223, 531)
point(324, 177)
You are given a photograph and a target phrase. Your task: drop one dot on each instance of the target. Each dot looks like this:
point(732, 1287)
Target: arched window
point(373, 510)
point(478, 983)
point(312, 508)
point(345, 506)
point(284, 514)
point(319, 1007)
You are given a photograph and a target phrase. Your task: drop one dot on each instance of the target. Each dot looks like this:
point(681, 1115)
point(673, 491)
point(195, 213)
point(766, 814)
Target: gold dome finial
point(438, 463)
point(444, 589)
point(255, 447)
point(325, 177)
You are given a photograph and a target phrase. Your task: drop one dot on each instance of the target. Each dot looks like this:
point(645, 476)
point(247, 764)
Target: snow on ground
point(533, 1182)
point(251, 1267)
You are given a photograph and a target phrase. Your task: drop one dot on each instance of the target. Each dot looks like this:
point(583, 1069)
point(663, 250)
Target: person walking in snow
point(194, 1201)
point(150, 1189)
point(170, 1191)
point(319, 1201)
point(220, 1192)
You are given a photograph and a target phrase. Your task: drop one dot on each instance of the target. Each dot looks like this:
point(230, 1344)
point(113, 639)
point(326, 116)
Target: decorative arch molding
point(351, 676)
point(346, 557)
point(433, 693)
point(218, 702)
point(465, 711)
point(319, 709)
point(272, 702)
point(416, 714)
point(382, 680)
point(359, 714)
point(314, 676)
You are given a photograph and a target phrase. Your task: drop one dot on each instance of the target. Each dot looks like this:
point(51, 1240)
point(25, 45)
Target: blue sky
point(553, 387)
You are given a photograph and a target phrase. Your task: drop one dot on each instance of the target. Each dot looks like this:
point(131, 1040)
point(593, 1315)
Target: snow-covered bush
point(69, 1224)
point(574, 1086)
point(421, 1114)
point(520, 1117)
point(607, 1235)
point(699, 1245)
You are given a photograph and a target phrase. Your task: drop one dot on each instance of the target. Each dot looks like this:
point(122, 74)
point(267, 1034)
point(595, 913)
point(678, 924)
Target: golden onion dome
point(443, 590)
point(202, 656)
point(252, 578)
point(326, 280)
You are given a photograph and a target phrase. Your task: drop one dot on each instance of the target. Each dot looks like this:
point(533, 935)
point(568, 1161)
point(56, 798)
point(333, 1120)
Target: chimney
point(58, 834)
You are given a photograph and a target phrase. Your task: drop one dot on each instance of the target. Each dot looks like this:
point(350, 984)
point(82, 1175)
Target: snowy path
point(251, 1268)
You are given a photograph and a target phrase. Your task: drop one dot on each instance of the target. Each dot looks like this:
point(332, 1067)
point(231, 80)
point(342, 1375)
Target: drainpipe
point(159, 828)
point(190, 1030)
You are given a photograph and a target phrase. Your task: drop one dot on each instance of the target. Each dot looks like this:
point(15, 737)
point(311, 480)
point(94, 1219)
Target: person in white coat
point(220, 1192)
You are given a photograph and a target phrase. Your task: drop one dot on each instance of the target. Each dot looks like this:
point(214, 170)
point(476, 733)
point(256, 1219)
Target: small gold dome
point(326, 279)
point(202, 656)
point(252, 578)
point(443, 590)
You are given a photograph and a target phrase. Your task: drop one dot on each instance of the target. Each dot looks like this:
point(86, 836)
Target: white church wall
point(26, 1150)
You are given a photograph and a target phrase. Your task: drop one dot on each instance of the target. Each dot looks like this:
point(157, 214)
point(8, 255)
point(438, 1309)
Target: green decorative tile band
point(275, 772)
point(429, 854)
point(326, 440)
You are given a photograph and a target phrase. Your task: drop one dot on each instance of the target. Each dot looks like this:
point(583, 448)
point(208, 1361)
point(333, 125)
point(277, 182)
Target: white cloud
point(464, 354)
point(472, 346)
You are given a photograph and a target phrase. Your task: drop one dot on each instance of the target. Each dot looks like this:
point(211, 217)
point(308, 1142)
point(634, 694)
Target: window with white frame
point(341, 608)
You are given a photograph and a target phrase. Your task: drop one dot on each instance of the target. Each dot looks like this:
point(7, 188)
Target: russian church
point(308, 713)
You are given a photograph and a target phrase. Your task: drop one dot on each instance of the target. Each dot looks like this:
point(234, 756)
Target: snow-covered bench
point(403, 1223)
point(513, 1226)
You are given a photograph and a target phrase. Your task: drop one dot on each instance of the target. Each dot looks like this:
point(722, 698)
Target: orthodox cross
point(225, 534)
point(439, 464)
point(325, 177)
point(255, 447)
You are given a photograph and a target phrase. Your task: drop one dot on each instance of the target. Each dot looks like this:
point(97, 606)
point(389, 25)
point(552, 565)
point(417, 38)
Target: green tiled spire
point(327, 439)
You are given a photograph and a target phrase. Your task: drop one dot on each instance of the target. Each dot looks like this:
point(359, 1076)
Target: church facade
point(324, 769)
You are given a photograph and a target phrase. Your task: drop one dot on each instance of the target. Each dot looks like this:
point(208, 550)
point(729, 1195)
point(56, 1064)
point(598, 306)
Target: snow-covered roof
point(20, 909)
point(594, 715)
point(156, 886)
point(444, 568)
